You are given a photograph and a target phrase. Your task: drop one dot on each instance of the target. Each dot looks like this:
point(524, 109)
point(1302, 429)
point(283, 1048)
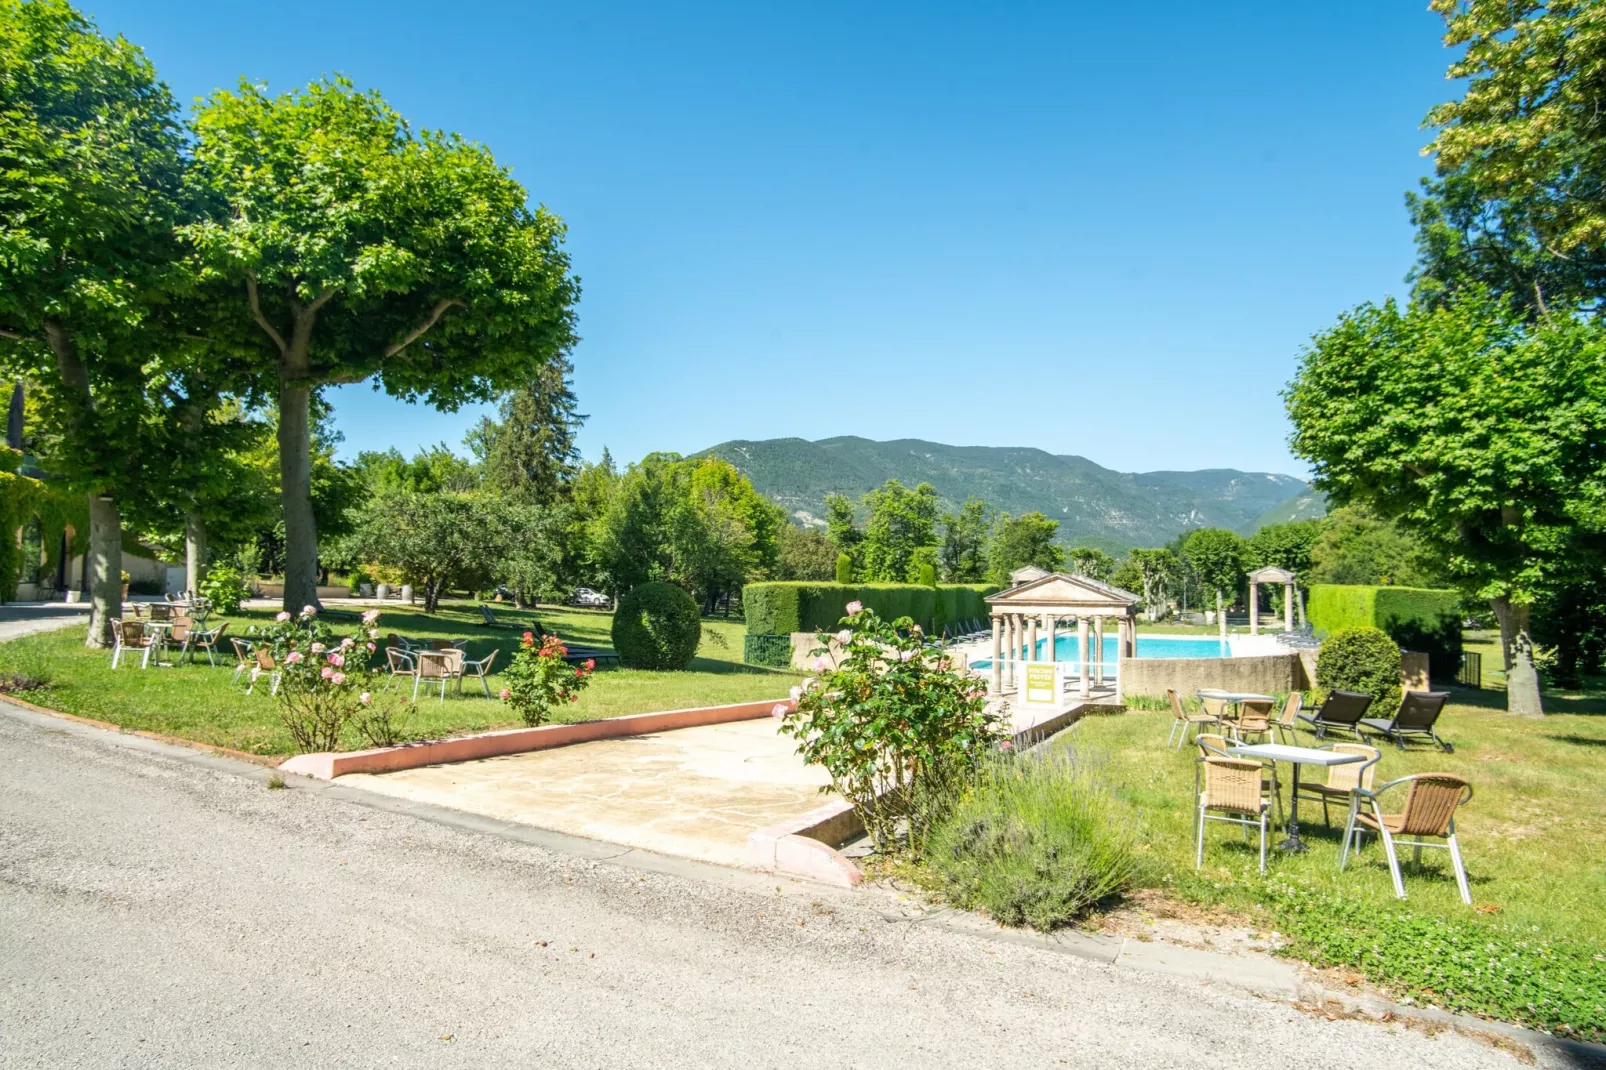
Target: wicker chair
point(1214, 745)
point(399, 663)
point(1342, 780)
point(243, 658)
point(264, 664)
point(442, 665)
point(1254, 719)
point(208, 641)
point(1430, 805)
point(1232, 788)
point(1283, 727)
point(1182, 719)
point(480, 670)
point(131, 635)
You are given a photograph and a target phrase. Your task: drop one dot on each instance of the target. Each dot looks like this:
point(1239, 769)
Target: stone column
point(1031, 640)
point(1254, 608)
point(1288, 607)
point(1098, 647)
point(1048, 627)
point(1012, 635)
point(1081, 656)
point(998, 655)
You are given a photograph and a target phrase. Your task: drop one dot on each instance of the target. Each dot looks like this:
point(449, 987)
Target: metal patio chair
point(1430, 805)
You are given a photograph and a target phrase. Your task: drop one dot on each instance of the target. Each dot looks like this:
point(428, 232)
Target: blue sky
point(1095, 229)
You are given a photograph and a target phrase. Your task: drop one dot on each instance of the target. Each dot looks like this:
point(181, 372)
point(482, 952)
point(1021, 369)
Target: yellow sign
point(1040, 683)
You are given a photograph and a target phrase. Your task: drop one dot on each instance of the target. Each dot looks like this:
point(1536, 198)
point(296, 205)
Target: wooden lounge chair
point(1231, 788)
point(1340, 711)
point(1418, 713)
point(1342, 780)
point(1429, 810)
point(1182, 719)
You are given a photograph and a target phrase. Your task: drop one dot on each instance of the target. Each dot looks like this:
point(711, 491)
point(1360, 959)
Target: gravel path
point(165, 910)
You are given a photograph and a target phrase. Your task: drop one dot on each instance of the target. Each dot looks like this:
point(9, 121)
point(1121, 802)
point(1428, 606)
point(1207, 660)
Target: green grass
point(197, 703)
point(1534, 839)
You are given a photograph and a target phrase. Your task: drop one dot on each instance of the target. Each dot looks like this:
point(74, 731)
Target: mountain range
point(1095, 506)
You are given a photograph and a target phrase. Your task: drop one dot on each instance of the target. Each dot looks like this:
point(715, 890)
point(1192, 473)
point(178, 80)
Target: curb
point(327, 765)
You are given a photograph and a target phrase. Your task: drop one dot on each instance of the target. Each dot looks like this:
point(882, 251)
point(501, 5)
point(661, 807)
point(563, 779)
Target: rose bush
point(325, 683)
point(892, 722)
point(540, 678)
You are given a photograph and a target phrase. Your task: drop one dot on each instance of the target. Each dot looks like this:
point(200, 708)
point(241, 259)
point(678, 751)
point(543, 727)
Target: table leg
point(1293, 842)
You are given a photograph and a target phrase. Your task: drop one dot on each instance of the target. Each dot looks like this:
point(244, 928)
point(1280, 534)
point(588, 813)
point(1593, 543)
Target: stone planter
point(382, 592)
point(74, 597)
point(407, 593)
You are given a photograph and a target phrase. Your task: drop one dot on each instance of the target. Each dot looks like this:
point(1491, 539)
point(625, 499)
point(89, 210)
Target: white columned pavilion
point(1045, 599)
point(1271, 574)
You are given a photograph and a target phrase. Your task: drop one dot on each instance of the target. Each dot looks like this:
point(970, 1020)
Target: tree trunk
point(1299, 605)
point(1221, 615)
point(295, 480)
point(194, 552)
point(1522, 679)
point(104, 565)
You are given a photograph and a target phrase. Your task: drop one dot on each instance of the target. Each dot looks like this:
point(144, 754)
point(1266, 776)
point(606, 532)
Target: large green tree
point(901, 532)
point(440, 541)
point(1355, 545)
point(1478, 431)
point(362, 249)
point(1216, 556)
point(91, 188)
point(1091, 562)
point(528, 452)
point(964, 542)
point(1157, 571)
point(1023, 540)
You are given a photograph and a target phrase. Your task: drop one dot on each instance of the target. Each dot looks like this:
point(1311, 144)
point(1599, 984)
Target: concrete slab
point(694, 792)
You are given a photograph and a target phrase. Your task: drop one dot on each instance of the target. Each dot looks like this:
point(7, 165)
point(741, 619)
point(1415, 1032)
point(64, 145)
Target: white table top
point(1281, 752)
point(1236, 696)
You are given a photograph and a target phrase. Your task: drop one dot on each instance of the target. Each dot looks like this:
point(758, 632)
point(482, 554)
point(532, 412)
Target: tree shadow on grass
point(1584, 704)
point(1578, 741)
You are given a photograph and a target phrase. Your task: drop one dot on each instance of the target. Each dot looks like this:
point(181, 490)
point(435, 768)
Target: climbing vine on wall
point(21, 499)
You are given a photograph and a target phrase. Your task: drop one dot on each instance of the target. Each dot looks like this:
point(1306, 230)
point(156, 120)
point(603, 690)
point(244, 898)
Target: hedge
point(772, 650)
point(1417, 618)
point(780, 608)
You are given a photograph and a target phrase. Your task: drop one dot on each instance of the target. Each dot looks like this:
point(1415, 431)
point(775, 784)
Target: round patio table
point(1295, 756)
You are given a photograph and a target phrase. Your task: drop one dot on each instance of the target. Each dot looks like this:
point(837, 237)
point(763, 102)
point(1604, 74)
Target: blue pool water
point(1148, 647)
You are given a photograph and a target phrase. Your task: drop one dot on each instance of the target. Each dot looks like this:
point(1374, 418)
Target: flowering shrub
point(326, 680)
point(892, 722)
point(539, 678)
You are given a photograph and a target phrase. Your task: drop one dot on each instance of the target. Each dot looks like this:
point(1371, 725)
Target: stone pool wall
point(1269, 675)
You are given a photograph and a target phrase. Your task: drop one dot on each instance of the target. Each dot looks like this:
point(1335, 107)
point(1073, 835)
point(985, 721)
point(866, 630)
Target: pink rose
point(1006, 745)
point(347, 643)
point(369, 616)
point(327, 672)
point(365, 698)
point(844, 636)
point(808, 682)
point(338, 678)
point(506, 694)
point(336, 660)
point(373, 633)
point(854, 607)
point(779, 711)
point(282, 616)
point(371, 647)
point(906, 655)
point(317, 648)
point(293, 658)
point(309, 611)
point(821, 665)
point(797, 693)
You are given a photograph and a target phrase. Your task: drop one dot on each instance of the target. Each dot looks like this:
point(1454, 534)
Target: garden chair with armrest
point(264, 664)
point(1430, 805)
point(245, 659)
point(1342, 780)
point(399, 663)
point(131, 635)
point(208, 641)
point(1283, 727)
point(1254, 719)
point(438, 665)
point(1214, 745)
point(479, 670)
point(1183, 720)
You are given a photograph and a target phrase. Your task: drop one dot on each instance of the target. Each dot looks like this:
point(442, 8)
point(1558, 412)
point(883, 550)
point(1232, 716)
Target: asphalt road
point(164, 911)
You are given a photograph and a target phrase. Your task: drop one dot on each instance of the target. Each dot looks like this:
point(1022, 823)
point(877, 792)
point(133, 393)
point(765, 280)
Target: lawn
point(198, 703)
point(1534, 840)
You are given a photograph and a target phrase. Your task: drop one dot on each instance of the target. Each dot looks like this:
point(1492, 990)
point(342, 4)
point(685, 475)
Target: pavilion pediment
point(1271, 574)
point(1062, 592)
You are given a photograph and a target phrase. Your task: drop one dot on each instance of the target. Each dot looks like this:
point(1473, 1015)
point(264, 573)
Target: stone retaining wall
point(1270, 675)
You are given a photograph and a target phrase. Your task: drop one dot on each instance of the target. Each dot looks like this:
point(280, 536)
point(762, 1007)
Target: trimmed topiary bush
point(656, 626)
point(927, 576)
point(844, 568)
point(783, 607)
point(1361, 659)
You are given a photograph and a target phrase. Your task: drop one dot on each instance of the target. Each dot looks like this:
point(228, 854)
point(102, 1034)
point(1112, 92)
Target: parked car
point(585, 596)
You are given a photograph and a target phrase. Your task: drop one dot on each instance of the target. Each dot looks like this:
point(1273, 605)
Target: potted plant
point(126, 578)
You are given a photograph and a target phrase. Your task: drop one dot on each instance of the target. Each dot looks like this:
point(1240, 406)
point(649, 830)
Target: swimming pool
point(1149, 646)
